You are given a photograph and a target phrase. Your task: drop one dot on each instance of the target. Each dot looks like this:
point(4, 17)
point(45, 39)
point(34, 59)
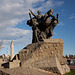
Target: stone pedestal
point(14, 64)
point(1, 62)
point(47, 55)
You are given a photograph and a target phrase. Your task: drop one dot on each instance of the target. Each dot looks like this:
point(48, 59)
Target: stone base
point(24, 71)
point(53, 65)
point(14, 64)
point(1, 62)
point(47, 55)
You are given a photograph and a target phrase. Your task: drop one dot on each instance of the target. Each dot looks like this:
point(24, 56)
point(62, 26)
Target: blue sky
point(14, 15)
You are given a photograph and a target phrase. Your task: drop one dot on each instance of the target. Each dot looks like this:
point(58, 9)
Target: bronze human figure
point(42, 25)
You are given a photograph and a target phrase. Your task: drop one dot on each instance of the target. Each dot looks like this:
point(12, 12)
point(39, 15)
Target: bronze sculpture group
point(42, 25)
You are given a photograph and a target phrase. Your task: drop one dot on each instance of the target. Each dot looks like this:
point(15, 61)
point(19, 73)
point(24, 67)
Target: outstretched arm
point(32, 12)
point(57, 18)
point(30, 16)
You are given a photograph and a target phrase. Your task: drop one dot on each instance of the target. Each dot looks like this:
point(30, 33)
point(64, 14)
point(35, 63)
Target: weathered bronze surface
point(42, 25)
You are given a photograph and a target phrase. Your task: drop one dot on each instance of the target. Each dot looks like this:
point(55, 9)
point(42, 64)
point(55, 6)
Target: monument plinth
point(44, 53)
point(47, 55)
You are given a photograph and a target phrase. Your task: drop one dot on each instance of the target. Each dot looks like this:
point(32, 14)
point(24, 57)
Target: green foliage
point(72, 72)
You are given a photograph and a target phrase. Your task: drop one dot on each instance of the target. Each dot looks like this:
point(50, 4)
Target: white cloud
point(20, 38)
point(14, 11)
point(13, 33)
point(1, 44)
point(72, 16)
point(59, 3)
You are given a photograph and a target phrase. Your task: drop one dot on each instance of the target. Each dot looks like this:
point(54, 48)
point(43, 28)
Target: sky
point(13, 23)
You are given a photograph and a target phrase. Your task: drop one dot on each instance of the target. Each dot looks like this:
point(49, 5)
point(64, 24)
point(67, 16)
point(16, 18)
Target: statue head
point(39, 12)
point(51, 10)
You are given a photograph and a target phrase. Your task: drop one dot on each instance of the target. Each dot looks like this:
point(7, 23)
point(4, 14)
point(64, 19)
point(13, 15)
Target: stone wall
point(41, 50)
point(14, 64)
point(47, 55)
point(1, 62)
point(24, 71)
point(3, 73)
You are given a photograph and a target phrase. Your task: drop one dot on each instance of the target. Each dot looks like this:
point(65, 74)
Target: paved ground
point(26, 71)
point(72, 66)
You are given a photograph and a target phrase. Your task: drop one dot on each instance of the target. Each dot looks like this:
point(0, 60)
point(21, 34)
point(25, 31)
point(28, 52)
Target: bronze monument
point(42, 25)
point(40, 58)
